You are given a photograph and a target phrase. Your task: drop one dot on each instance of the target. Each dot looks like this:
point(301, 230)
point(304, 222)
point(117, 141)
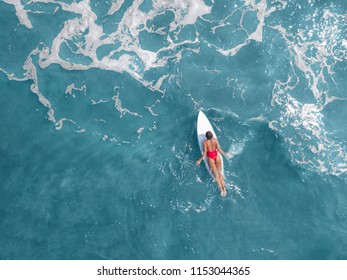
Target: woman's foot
point(223, 192)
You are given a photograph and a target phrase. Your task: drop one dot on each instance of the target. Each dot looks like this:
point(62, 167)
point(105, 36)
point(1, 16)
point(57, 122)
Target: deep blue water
point(98, 145)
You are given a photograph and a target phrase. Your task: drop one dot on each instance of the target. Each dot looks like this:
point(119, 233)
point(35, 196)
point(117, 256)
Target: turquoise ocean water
point(99, 101)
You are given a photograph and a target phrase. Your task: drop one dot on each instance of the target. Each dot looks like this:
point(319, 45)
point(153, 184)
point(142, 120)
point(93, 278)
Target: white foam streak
point(150, 108)
point(298, 52)
point(59, 124)
point(31, 74)
point(326, 52)
point(70, 88)
point(308, 142)
point(236, 148)
point(133, 22)
point(116, 5)
point(100, 101)
point(21, 13)
point(185, 11)
point(262, 13)
point(123, 111)
point(74, 28)
point(196, 9)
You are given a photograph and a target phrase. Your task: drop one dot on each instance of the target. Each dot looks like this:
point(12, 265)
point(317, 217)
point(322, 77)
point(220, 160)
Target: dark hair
point(209, 135)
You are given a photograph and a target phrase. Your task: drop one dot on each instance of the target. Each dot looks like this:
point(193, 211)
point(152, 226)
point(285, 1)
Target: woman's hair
point(209, 135)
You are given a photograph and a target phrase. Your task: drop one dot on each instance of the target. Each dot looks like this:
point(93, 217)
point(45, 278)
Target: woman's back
point(211, 145)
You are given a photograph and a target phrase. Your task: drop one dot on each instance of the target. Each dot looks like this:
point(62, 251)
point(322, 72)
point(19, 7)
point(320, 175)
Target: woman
point(211, 146)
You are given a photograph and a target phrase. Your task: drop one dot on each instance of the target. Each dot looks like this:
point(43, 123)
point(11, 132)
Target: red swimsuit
point(212, 154)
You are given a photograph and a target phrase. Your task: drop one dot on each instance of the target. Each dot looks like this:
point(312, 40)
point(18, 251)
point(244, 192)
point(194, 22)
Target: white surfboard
point(203, 125)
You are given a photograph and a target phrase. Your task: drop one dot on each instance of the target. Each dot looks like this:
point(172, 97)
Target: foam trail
point(299, 55)
point(123, 111)
point(196, 9)
point(59, 124)
point(323, 52)
point(31, 74)
point(21, 13)
point(302, 126)
point(83, 36)
point(314, 53)
point(150, 108)
point(116, 5)
point(134, 21)
point(257, 35)
point(71, 87)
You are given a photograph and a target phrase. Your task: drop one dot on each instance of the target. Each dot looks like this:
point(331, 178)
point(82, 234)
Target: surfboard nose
point(201, 115)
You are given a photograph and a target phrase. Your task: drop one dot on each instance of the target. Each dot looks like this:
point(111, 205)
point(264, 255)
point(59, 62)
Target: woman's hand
point(227, 155)
point(198, 162)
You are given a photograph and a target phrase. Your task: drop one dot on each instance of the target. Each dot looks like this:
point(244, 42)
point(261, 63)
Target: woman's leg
point(221, 178)
point(213, 166)
point(219, 166)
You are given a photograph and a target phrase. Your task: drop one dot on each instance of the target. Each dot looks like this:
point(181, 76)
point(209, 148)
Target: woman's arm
point(221, 151)
point(203, 155)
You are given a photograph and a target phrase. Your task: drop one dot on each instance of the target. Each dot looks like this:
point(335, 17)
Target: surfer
point(211, 146)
